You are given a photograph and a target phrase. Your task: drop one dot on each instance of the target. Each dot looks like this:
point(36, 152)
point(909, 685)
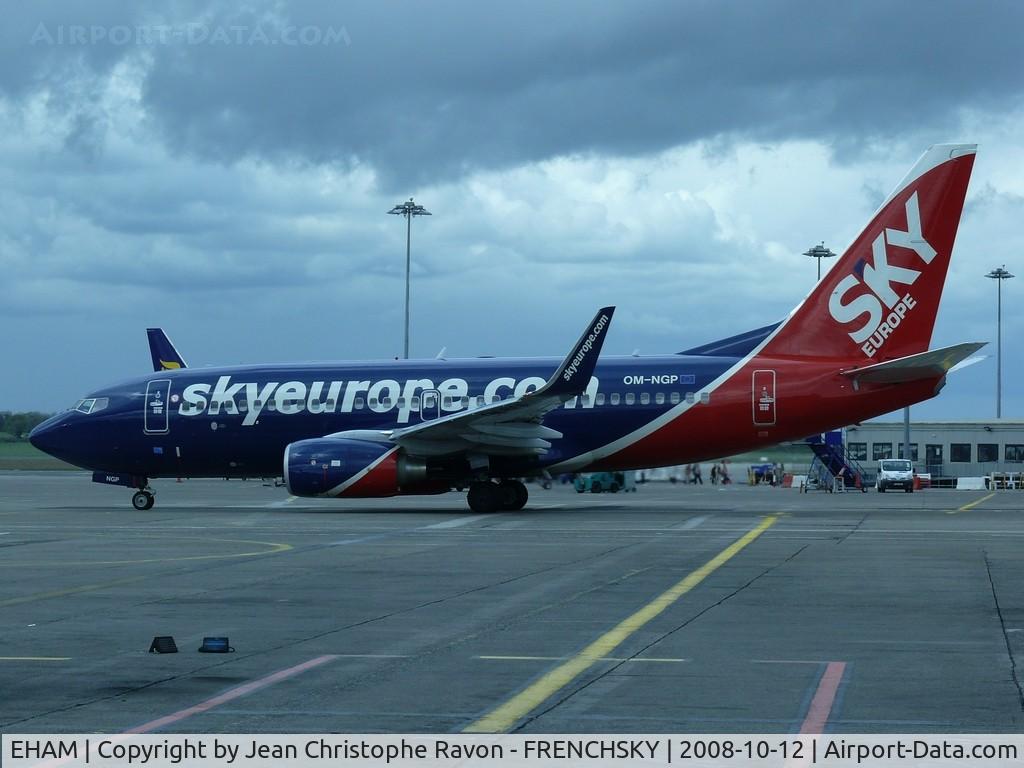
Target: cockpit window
point(91, 405)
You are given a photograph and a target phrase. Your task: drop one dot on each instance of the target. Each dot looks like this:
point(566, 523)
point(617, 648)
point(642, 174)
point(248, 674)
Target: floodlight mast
point(408, 210)
point(819, 252)
point(999, 275)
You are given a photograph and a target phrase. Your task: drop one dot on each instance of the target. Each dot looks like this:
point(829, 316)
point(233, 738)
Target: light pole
point(999, 275)
point(819, 252)
point(408, 210)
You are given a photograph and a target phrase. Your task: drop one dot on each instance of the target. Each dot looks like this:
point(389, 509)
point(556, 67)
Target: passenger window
point(257, 403)
point(705, 397)
point(415, 402)
point(330, 405)
point(660, 398)
point(447, 401)
point(359, 403)
point(586, 400)
point(600, 398)
point(615, 398)
point(674, 399)
point(465, 402)
point(689, 397)
point(271, 405)
point(630, 398)
point(479, 400)
point(645, 398)
point(242, 406)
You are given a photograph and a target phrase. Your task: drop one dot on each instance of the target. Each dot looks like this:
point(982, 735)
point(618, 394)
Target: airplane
point(856, 347)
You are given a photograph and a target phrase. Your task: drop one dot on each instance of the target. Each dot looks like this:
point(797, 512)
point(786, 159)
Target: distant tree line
point(16, 426)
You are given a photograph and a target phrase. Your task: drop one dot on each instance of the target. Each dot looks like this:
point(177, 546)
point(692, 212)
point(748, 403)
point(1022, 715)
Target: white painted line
point(457, 522)
point(561, 658)
point(371, 655)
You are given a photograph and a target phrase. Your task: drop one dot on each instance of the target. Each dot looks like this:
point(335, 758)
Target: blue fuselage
point(237, 422)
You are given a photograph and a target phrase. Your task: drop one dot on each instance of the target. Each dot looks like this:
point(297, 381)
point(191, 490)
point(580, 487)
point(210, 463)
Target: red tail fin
point(879, 302)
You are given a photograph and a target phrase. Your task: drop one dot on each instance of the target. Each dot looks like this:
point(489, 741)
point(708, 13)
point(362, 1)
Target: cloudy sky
point(223, 170)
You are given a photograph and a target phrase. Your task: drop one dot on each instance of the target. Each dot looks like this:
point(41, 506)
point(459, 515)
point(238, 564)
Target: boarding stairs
point(833, 469)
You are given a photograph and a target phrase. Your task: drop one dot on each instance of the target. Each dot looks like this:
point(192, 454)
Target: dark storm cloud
point(422, 92)
point(451, 87)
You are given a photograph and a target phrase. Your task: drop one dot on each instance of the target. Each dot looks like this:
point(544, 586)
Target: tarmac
point(673, 609)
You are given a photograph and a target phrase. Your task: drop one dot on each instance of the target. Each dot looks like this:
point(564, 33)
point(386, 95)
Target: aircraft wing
point(925, 365)
point(512, 427)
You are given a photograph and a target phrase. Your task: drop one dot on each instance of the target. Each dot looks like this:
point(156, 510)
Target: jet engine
point(351, 467)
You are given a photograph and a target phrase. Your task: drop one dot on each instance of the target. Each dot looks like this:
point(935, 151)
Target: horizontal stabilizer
point(924, 365)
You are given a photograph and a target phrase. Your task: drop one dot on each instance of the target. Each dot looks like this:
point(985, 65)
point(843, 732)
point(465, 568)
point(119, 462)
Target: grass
point(23, 455)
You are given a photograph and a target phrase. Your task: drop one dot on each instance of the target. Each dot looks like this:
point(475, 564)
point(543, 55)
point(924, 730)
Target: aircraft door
point(430, 404)
point(155, 420)
point(763, 395)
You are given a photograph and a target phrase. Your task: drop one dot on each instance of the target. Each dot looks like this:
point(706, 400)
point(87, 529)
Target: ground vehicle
point(599, 482)
point(895, 473)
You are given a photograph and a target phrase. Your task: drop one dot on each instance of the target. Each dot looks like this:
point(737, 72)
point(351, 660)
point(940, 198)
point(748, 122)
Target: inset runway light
point(164, 644)
point(215, 645)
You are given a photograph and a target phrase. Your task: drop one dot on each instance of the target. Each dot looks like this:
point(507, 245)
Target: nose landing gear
point(143, 500)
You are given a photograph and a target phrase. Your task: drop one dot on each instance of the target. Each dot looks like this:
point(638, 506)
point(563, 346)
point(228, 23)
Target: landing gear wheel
point(143, 500)
point(514, 495)
point(484, 497)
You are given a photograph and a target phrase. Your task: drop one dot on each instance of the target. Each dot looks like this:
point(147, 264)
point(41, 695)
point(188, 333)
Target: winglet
point(573, 375)
point(165, 356)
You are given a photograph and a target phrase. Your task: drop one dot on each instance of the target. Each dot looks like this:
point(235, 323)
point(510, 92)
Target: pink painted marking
point(824, 698)
point(231, 695)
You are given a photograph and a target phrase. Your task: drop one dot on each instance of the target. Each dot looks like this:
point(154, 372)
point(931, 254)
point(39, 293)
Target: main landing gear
point(143, 500)
point(507, 496)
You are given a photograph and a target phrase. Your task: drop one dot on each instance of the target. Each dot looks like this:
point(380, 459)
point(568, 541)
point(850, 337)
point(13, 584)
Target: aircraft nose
point(44, 436)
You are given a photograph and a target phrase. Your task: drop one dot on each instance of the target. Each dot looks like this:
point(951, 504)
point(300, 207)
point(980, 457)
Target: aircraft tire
point(143, 500)
point(514, 495)
point(484, 497)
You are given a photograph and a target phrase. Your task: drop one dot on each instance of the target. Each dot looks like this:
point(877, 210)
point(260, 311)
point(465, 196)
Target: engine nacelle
point(341, 466)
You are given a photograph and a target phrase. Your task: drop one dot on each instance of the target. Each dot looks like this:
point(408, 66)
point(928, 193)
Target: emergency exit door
point(763, 394)
point(158, 396)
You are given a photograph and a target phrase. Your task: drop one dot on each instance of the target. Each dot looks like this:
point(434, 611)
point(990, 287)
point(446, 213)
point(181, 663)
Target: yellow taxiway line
point(971, 505)
point(504, 717)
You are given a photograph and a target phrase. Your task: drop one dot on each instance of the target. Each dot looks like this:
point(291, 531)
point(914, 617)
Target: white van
point(895, 473)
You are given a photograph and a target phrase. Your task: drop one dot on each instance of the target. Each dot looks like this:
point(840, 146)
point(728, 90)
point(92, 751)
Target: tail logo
point(879, 278)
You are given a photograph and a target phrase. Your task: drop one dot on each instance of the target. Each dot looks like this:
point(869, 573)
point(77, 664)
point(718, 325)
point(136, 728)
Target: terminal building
point(942, 448)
